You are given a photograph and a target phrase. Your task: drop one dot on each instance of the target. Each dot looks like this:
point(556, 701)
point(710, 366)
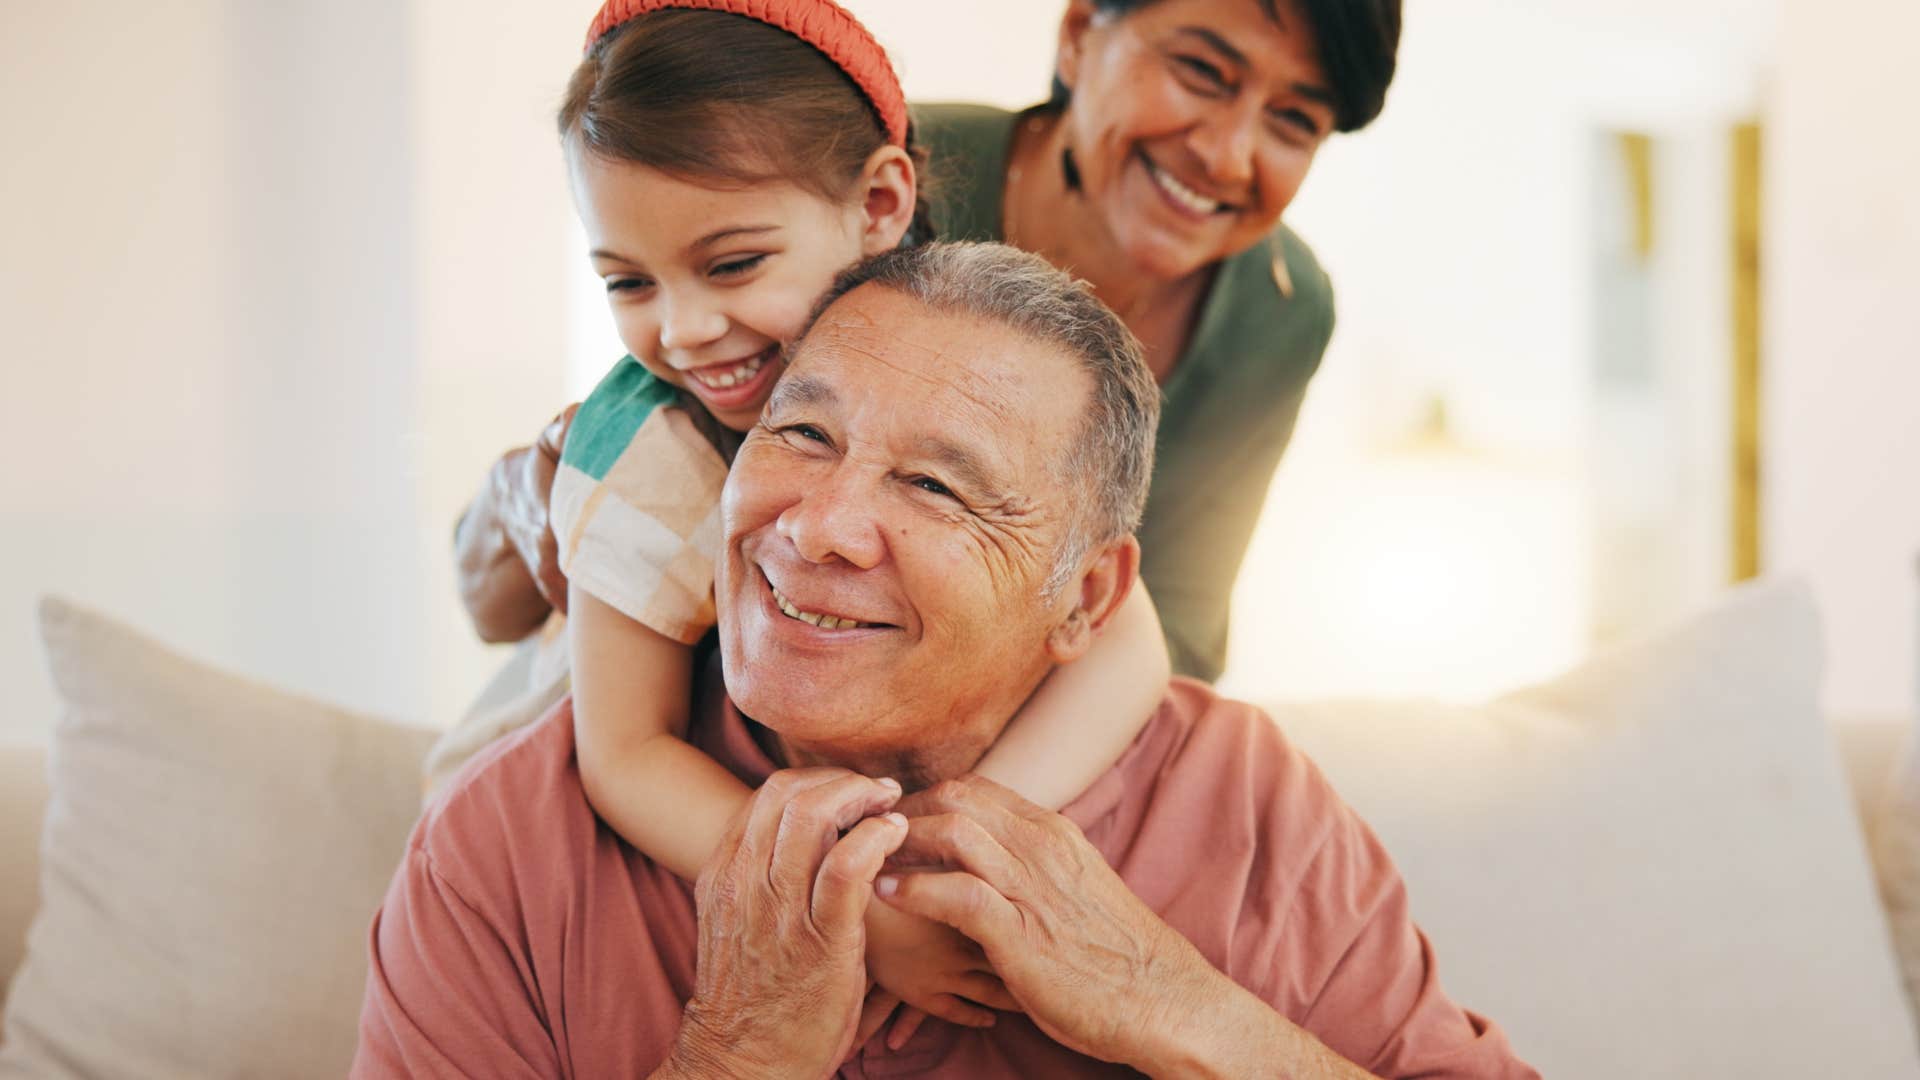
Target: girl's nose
point(688, 324)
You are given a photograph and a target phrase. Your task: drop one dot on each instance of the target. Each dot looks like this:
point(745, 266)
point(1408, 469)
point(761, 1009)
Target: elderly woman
point(1177, 133)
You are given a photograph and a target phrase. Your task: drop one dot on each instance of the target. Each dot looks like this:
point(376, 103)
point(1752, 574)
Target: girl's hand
point(933, 970)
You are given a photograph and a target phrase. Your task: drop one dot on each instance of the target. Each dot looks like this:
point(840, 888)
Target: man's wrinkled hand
point(1089, 962)
point(781, 970)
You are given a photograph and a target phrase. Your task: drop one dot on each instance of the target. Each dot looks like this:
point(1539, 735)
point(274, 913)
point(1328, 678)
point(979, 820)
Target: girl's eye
point(738, 266)
point(626, 284)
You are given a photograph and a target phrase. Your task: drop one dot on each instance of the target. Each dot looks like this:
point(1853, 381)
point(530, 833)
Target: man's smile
point(824, 616)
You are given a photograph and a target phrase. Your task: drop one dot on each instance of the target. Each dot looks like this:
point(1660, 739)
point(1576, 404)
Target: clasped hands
point(1039, 922)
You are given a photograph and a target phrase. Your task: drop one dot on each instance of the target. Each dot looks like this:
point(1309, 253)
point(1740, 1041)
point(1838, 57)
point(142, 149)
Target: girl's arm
point(631, 694)
point(1087, 713)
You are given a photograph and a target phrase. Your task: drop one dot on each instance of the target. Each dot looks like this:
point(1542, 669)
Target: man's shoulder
point(518, 798)
point(1207, 729)
point(1229, 760)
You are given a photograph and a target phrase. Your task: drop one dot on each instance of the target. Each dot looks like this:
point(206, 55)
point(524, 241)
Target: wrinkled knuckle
point(966, 832)
point(948, 792)
point(802, 813)
point(839, 870)
point(779, 785)
point(1058, 828)
point(976, 898)
point(814, 804)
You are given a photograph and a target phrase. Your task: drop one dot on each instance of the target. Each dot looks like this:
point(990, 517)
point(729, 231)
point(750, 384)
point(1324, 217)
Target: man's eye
point(805, 431)
point(929, 484)
point(738, 266)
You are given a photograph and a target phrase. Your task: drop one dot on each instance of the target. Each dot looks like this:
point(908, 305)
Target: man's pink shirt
point(523, 937)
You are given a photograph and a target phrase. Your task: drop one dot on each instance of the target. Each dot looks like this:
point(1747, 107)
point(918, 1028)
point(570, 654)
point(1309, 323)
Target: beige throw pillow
point(213, 854)
point(1649, 867)
point(1895, 832)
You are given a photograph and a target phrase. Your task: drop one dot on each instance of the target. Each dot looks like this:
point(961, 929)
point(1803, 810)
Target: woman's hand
point(933, 969)
point(508, 559)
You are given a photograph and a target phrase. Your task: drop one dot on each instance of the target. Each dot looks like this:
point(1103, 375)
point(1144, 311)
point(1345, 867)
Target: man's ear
point(1073, 33)
point(1098, 592)
point(889, 189)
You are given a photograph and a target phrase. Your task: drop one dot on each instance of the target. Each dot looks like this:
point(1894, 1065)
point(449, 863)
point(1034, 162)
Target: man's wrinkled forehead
point(877, 327)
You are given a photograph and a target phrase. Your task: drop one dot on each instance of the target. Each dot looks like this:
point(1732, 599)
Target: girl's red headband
point(820, 23)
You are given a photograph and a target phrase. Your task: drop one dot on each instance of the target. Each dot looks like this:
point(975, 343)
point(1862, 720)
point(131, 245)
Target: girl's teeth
point(733, 376)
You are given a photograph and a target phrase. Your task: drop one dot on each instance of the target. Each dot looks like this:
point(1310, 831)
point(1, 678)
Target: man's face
point(901, 495)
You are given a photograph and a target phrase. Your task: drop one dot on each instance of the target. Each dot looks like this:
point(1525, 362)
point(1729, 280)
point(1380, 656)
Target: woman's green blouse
point(1226, 412)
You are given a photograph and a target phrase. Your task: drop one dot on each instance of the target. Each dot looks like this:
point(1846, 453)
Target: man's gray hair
point(1112, 456)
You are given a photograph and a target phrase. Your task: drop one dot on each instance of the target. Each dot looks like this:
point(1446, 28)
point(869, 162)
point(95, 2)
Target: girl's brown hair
point(706, 95)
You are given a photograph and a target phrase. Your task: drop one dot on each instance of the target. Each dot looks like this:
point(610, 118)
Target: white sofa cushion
point(1649, 867)
point(213, 853)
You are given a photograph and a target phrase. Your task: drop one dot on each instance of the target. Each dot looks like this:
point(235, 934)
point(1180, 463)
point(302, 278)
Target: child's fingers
point(903, 1028)
point(954, 1010)
point(879, 1005)
point(985, 988)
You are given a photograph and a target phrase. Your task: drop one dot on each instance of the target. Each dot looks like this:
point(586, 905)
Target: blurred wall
point(278, 281)
point(208, 269)
point(1841, 482)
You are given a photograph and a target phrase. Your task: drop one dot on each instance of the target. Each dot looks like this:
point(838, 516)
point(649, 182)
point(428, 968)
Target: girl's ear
point(1073, 31)
point(889, 189)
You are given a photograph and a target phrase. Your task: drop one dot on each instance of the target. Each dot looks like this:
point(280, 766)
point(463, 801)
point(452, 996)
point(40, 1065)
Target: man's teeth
point(1181, 193)
point(731, 376)
point(814, 618)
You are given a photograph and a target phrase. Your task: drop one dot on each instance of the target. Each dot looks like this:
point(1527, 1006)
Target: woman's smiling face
point(1192, 123)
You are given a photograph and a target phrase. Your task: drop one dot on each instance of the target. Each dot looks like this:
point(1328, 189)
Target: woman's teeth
point(732, 375)
point(814, 618)
point(1181, 193)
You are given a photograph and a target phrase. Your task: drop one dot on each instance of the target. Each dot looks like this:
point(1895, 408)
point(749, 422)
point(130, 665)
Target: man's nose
point(1226, 141)
point(689, 322)
point(835, 518)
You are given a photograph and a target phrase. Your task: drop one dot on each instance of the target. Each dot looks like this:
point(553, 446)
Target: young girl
point(728, 158)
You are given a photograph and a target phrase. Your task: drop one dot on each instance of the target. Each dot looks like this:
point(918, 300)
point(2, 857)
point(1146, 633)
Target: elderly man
point(951, 468)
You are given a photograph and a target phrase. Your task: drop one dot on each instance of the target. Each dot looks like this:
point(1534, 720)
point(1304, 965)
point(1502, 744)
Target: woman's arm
point(505, 556)
point(1087, 713)
point(631, 689)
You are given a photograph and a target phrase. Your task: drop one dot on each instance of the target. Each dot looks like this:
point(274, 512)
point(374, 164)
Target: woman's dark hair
point(1358, 41)
point(707, 95)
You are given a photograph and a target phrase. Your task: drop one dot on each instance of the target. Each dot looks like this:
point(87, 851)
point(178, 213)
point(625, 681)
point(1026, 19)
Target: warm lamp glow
point(1429, 571)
